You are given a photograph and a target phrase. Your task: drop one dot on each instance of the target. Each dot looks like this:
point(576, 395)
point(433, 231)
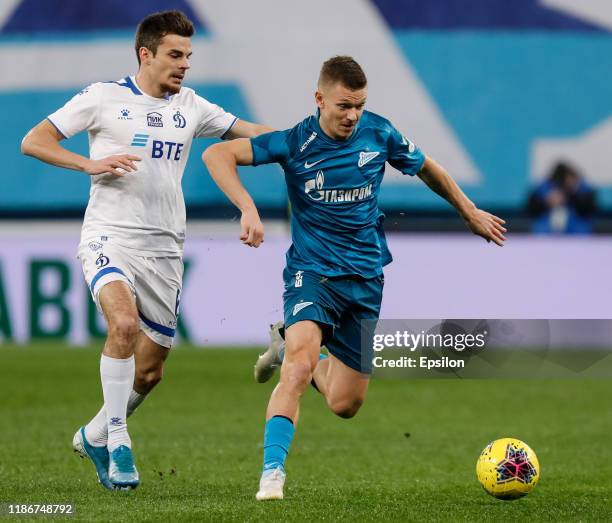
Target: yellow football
point(508, 468)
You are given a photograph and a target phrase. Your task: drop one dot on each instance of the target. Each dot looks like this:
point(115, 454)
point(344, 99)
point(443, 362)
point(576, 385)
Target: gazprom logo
point(313, 187)
point(314, 190)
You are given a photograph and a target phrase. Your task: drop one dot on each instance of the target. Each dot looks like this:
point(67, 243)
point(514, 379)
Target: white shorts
point(155, 282)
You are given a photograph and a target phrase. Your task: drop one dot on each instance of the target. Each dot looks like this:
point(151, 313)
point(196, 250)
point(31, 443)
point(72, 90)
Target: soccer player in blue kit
point(334, 163)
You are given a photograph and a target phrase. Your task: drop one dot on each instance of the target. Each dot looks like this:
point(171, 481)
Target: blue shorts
point(346, 308)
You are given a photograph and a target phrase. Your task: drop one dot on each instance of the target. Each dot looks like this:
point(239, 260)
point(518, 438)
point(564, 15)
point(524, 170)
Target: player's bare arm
point(480, 222)
point(43, 142)
point(221, 159)
point(244, 129)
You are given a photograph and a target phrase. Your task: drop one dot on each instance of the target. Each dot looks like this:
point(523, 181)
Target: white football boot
point(272, 359)
point(271, 484)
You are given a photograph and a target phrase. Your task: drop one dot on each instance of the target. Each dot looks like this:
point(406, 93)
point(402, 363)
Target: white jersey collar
point(133, 80)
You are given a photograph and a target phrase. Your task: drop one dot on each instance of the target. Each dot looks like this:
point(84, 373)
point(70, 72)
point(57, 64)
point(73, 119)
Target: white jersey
point(143, 210)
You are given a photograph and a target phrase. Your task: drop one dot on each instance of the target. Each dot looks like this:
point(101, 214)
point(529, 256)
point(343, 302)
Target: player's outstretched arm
point(221, 159)
point(244, 129)
point(42, 142)
point(480, 222)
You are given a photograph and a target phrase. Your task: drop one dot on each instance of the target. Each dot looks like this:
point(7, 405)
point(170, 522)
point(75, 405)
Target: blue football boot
point(97, 455)
point(122, 472)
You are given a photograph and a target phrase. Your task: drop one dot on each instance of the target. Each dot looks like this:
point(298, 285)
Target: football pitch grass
point(409, 455)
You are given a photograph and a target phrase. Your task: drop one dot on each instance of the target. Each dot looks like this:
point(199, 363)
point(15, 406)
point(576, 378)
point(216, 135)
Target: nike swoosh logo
point(309, 165)
point(301, 306)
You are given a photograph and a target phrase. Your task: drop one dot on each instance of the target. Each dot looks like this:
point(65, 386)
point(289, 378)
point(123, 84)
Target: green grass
point(409, 455)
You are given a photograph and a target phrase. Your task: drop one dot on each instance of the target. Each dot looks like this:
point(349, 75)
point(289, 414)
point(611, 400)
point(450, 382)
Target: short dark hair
point(154, 27)
point(345, 70)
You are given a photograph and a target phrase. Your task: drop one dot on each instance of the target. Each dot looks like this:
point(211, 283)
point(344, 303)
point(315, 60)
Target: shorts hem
point(156, 337)
point(327, 326)
point(339, 355)
point(291, 321)
point(105, 280)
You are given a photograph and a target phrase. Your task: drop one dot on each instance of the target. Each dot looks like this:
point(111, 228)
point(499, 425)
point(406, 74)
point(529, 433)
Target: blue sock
point(277, 439)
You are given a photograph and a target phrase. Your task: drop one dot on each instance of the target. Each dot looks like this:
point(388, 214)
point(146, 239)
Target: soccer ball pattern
point(508, 468)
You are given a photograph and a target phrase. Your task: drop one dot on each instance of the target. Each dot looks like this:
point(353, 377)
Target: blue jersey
point(333, 186)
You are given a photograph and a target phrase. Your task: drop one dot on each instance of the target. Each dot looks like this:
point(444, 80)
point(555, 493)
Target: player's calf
point(145, 379)
point(346, 388)
point(345, 407)
point(150, 359)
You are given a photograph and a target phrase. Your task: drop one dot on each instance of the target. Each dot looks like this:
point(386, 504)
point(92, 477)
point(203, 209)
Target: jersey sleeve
point(404, 155)
point(270, 148)
point(214, 121)
point(81, 113)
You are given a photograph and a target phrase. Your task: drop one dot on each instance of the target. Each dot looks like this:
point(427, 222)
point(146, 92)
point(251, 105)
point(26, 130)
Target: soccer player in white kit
point(140, 132)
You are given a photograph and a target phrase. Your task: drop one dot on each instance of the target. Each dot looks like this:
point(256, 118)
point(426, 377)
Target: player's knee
point(303, 352)
point(345, 407)
point(296, 374)
point(123, 330)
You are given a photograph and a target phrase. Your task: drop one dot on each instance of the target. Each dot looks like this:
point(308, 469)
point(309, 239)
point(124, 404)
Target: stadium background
point(497, 91)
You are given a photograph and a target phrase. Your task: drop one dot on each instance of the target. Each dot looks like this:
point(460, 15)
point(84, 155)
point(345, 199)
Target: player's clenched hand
point(251, 229)
point(118, 164)
point(487, 225)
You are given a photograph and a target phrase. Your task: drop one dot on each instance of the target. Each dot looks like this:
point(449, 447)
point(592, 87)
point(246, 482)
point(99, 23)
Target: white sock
point(117, 379)
point(96, 431)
